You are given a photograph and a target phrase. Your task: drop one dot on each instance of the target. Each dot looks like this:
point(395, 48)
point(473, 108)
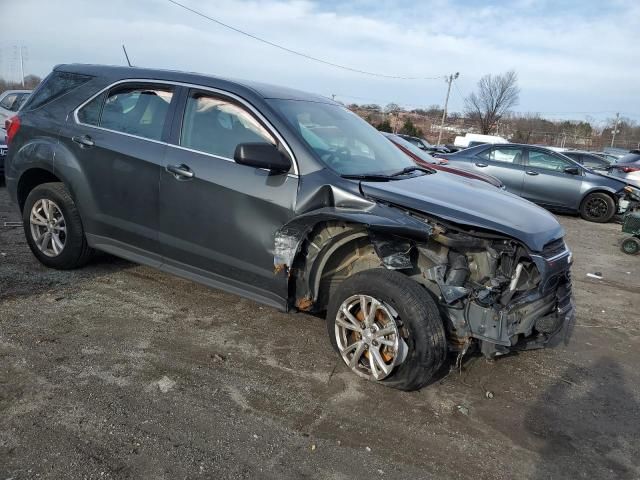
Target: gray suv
point(291, 200)
point(547, 178)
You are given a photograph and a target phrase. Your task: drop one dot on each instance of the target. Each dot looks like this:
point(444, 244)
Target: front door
point(117, 140)
point(547, 181)
point(218, 219)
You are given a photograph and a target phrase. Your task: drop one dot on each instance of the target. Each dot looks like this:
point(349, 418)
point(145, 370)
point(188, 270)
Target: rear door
point(547, 182)
point(118, 138)
point(219, 219)
point(504, 163)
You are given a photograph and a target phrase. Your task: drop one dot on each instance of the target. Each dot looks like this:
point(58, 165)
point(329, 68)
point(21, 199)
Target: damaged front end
point(493, 291)
point(498, 292)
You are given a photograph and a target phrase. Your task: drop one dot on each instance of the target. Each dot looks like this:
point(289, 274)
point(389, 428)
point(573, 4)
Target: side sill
point(210, 279)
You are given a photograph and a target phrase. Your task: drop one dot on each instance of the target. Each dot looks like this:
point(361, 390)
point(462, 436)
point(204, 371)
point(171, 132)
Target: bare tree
point(496, 95)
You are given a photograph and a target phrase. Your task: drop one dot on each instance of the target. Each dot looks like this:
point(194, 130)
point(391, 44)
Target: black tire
point(76, 251)
point(426, 341)
point(598, 207)
point(630, 246)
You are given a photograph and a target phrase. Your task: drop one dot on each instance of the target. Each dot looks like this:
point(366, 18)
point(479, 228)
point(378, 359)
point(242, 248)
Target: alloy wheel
point(369, 336)
point(48, 227)
point(597, 207)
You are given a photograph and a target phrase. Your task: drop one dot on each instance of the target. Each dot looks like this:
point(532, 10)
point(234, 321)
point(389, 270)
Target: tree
point(392, 108)
point(385, 126)
point(496, 95)
point(31, 81)
point(408, 128)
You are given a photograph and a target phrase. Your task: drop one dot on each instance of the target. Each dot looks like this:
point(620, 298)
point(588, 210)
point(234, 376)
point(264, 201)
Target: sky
point(575, 59)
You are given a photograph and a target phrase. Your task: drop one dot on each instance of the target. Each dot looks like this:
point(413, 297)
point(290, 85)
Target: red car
point(426, 160)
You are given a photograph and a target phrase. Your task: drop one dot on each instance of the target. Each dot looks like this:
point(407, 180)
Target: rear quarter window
point(54, 86)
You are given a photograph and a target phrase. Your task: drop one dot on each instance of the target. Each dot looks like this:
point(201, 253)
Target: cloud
point(578, 56)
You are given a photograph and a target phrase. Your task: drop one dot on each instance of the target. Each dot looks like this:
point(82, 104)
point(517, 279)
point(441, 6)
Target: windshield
point(342, 140)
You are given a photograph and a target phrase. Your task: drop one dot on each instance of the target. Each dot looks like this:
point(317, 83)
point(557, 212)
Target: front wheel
point(631, 246)
point(387, 329)
point(598, 207)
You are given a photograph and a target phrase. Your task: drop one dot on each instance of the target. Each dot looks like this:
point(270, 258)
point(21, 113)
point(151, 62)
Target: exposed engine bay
point(496, 291)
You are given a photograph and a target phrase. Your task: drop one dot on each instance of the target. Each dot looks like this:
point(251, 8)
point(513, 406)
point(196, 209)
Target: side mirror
point(262, 155)
point(572, 170)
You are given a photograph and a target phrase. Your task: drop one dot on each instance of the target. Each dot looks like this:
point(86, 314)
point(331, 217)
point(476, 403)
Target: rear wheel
point(631, 246)
point(598, 207)
point(53, 227)
point(387, 329)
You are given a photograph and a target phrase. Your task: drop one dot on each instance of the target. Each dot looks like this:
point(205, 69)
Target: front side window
point(136, 110)
point(340, 139)
point(502, 154)
point(217, 126)
point(548, 161)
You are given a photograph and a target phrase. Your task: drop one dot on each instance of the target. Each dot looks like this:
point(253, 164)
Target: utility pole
point(615, 129)
point(21, 67)
point(449, 80)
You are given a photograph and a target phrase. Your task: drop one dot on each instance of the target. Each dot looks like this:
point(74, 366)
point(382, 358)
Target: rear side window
point(138, 110)
point(502, 154)
point(8, 101)
point(216, 126)
point(54, 86)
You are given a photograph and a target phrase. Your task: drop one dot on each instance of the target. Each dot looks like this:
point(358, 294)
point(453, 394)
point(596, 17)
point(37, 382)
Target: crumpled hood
point(472, 203)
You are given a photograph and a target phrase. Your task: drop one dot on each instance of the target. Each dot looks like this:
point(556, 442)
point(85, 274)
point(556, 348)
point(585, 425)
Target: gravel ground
point(120, 371)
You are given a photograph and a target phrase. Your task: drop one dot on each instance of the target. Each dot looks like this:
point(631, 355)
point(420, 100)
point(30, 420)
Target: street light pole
point(449, 80)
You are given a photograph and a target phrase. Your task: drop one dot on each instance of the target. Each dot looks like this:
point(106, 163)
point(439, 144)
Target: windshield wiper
point(391, 176)
point(410, 169)
point(366, 176)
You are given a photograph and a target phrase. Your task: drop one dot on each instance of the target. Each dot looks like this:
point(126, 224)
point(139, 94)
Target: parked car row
point(10, 103)
point(291, 200)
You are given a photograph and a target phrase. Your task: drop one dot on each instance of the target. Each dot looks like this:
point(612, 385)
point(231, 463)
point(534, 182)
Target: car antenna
point(126, 55)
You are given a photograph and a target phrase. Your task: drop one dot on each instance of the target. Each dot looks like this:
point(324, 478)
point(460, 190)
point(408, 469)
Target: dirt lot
point(119, 371)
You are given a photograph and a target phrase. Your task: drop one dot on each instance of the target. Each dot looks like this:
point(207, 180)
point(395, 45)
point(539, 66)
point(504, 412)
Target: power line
point(301, 54)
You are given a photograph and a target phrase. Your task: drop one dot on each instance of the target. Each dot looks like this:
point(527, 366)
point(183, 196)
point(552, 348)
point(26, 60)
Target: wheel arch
point(609, 192)
point(30, 179)
point(317, 251)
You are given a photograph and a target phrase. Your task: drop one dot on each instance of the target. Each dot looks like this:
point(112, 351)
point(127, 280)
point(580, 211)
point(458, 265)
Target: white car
point(10, 103)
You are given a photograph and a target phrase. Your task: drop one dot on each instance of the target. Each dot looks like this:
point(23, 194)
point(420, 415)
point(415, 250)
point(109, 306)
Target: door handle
point(531, 172)
point(180, 171)
point(83, 140)
point(481, 165)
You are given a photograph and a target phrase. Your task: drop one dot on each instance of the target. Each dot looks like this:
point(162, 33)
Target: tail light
point(629, 169)
point(12, 126)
